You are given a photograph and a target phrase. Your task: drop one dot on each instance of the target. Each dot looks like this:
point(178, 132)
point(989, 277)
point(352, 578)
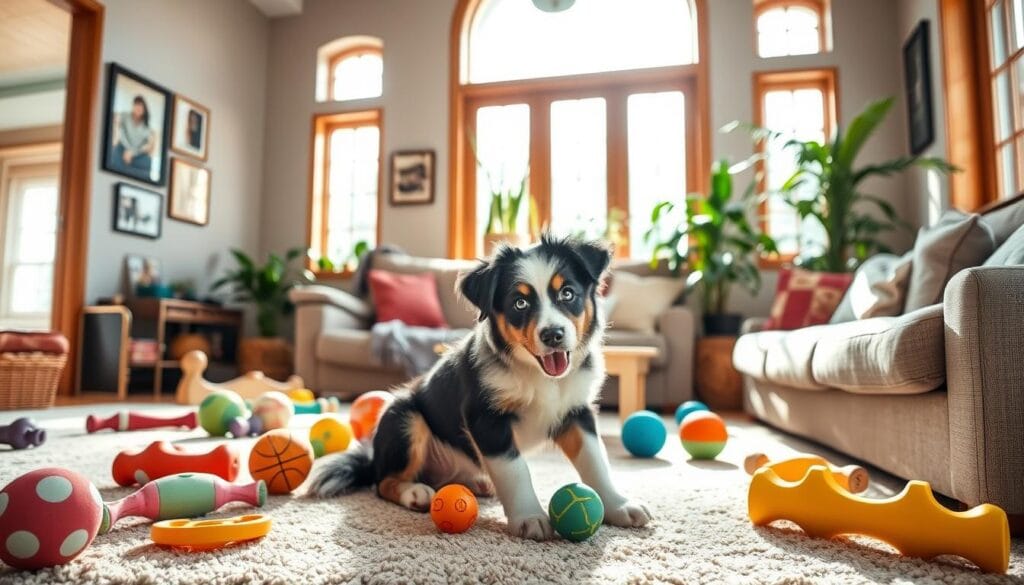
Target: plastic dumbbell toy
point(22, 434)
point(318, 406)
point(185, 495)
point(127, 420)
point(161, 459)
point(245, 427)
point(852, 478)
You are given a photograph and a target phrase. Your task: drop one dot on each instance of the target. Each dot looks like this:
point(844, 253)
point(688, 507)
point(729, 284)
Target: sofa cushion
point(956, 242)
point(1005, 219)
point(1011, 252)
point(409, 298)
point(804, 298)
point(884, 355)
point(458, 312)
point(346, 347)
point(751, 350)
point(782, 357)
point(636, 301)
point(635, 338)
point(879, 289)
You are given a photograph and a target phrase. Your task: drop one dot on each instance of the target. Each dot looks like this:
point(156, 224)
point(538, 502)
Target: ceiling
point(275, 8)
point(33, 42)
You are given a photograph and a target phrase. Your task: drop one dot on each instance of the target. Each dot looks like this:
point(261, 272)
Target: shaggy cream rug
point(701, 533)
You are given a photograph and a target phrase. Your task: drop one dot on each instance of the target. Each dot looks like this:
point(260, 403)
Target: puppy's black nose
point(552, 336)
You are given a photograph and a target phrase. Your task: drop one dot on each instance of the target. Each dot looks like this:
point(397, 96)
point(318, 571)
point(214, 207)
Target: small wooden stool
point(630, 365)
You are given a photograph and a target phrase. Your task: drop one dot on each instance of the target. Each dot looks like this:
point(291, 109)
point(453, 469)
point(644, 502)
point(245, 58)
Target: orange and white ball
point(367, 410)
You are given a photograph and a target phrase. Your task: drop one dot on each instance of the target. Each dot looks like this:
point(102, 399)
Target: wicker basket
point(29, 380)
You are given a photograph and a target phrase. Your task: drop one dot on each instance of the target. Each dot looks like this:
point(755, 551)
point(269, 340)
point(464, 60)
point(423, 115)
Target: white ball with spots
point(53, 489)
point(22, 544)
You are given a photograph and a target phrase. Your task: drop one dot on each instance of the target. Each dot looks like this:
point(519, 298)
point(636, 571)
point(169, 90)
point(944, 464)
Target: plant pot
point(492, 241)
point(270, 355)
point(723, 324)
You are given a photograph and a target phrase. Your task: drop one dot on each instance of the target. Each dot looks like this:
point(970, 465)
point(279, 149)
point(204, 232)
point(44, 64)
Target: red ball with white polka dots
point(47, 517)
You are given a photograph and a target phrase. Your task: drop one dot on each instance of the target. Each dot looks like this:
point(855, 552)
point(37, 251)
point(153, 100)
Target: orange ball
point(454, 509)
point(282, 460)
point(367, 410)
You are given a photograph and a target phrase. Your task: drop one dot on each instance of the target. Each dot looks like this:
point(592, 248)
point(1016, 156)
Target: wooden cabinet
point(718, 383)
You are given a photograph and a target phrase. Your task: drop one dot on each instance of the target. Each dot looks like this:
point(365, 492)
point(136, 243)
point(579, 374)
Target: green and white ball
point(576, 512)
point(220, 408)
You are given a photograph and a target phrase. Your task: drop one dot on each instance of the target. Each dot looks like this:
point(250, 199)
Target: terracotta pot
point(492, 241)
point(270, 355)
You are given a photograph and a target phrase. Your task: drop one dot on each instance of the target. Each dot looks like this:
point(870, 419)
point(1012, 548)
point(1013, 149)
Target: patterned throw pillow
point(805, 298)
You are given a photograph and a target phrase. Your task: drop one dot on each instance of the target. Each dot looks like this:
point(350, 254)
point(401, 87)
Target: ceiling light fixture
point(553, 5)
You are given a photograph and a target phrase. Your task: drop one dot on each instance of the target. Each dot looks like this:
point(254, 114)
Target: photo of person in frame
point(133, 139)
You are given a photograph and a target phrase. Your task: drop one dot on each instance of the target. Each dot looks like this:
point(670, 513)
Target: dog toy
point(688, 407)
point(301, 395)
point(852, 478)
point(274, 410)
point(219, 409)
point(127, 420)
point(643, 434)
point(198, 535)
point(913, 521)
point(185, 495)
point(318, 406)
point(281, 459)
point(703, 434)
point(192, 388)
point(161, 459)
point(47, 517)
point(329, 435)
point(454, 509)
point(245, 427)
point(22, 434)
point(367, 410)
point(576, 512)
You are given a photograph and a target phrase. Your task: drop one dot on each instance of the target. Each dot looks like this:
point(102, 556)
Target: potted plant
point(503, 216)
point(267, 288)
point(712, 236)
point(829, 187)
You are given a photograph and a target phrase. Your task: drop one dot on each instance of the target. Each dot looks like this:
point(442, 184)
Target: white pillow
point(637, 301)
point(879, 289)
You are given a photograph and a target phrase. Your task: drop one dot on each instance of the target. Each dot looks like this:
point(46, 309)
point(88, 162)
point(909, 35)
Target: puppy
point(529, 373)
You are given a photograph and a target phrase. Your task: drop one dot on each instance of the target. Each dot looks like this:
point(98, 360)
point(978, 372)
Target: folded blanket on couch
point(415, 349)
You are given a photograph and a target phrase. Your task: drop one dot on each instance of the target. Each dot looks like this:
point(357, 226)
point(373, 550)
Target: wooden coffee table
point(630, 365)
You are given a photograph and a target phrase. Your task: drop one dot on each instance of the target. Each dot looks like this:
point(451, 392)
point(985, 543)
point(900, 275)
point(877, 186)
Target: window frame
point(538, 93)
point(824, 79)
point(357, 50)
point(822, 8)
point(990, 71)
point(319, 176)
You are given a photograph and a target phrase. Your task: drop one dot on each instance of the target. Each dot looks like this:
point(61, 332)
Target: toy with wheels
point(688, 407)
point(643, 434)
point(454, 509)
point(576, 512)
point(703, 434)
point(161, 459)
point(192, 388)
point(127, 420)
point(852, 478)
point(274, 410)
point(220, 409)
point(329, 435)
point(22, 434)
point(282, 459)
point(47, 517)
point(367, 410)
point(913, 522)
point(199, 535)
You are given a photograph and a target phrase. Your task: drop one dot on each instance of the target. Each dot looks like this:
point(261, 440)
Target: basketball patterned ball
point(576, 512)
point(282, 460)
point(454, 509)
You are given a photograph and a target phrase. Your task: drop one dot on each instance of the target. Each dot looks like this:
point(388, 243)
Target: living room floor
point(701, 533)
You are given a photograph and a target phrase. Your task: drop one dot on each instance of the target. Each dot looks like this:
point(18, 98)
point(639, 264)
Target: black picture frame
point(135, 208)
point(124, 85)
point(917, 79)
point(412, 177)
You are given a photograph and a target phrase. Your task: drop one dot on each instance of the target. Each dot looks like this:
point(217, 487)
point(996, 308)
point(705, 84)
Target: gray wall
point(214, 52)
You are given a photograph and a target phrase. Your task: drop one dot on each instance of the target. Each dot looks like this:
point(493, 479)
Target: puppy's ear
point(479, 288)
point(594, 257)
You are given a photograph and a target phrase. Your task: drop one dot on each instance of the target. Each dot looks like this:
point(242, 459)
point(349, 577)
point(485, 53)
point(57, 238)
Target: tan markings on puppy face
point(570, 442)
point(585, 319)
point(391, 487)
point(525, 336)
point(557, 281)
point(523, 288)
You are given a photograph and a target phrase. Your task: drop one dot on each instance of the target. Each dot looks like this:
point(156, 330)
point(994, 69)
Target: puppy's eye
point(522, 304)
point(566, 295)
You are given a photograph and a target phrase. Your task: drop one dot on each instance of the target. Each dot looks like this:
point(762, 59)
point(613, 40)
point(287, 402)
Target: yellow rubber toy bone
point(913, 521)
point(853, 478)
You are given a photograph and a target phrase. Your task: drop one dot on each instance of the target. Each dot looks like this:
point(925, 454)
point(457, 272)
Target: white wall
point(214, 52)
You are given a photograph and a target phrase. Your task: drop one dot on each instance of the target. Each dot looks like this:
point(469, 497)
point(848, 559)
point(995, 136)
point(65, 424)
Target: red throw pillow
point(805, 298)
point(410, 298)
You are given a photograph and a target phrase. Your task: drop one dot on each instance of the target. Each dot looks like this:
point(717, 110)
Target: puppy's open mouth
point(555, 363)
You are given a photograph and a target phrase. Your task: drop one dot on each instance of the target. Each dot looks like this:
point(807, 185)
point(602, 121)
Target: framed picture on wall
point(190, 128)
point(412, 177)
point(189, 198)
point(138, 211)
point(918, 80)
point(135, 127)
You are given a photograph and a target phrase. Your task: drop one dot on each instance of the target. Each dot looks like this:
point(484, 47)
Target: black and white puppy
point(529, 373)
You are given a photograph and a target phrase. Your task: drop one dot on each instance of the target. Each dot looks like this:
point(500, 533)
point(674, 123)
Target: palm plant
point(265, 286)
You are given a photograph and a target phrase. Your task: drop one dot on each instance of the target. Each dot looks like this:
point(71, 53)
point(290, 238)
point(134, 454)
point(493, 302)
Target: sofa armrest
point(677, 325)
point(318, 309)
point(983, 311)
point(753, 325)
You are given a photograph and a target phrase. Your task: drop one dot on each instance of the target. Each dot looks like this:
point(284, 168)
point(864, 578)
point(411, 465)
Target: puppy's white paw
point(533, 527)
point(627, 515)
point(417, 497)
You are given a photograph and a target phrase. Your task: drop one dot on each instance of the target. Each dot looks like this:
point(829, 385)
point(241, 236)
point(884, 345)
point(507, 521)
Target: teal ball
point(218, 409)
point(643, 434)
point(688, 407)
point(576, 512)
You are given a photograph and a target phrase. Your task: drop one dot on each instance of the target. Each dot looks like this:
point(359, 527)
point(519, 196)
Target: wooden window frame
point(823, 8)
point(824, 79)
point(346, 53)
point(538, 93)
point(990, 73)
point(317, 205)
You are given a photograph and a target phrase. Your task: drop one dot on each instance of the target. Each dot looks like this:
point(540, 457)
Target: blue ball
point(688, 407)
point(643, 434)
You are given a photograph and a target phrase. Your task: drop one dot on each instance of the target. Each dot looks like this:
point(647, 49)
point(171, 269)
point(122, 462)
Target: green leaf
point(860, 129)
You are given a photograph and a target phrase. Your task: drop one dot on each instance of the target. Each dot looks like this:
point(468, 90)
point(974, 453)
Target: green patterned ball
point(220, 408)
point(576, 512)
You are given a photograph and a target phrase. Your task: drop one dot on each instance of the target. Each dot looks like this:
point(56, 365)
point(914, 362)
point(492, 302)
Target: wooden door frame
point(69, 272)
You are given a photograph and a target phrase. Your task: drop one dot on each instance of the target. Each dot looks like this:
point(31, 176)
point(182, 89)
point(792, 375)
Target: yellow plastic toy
point(210, 534)
point(301, 395)
point(912, 522)
point(329, 435)
point(852, 478)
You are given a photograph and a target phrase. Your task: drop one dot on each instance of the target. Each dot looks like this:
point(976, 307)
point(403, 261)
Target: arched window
point(350, 68)
point(597, 116)
point(791, 27)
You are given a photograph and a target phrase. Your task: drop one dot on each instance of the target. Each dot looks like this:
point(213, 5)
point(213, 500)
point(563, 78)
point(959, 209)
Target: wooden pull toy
point(852, 478)
point(22, 434)
point(192, 388)
point(127, 420)
point(913, 521)
point(209, 534)
point(161, 459)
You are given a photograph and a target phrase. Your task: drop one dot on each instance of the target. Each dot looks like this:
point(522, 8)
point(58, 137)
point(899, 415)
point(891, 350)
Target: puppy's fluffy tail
point(343, 474)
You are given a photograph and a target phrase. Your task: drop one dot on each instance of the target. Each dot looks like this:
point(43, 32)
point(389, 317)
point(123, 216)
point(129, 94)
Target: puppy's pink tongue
point(556, 363)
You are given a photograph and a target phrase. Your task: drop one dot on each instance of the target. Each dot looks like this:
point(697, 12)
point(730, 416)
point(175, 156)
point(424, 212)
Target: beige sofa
point(936, 394)
point(332, 336)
